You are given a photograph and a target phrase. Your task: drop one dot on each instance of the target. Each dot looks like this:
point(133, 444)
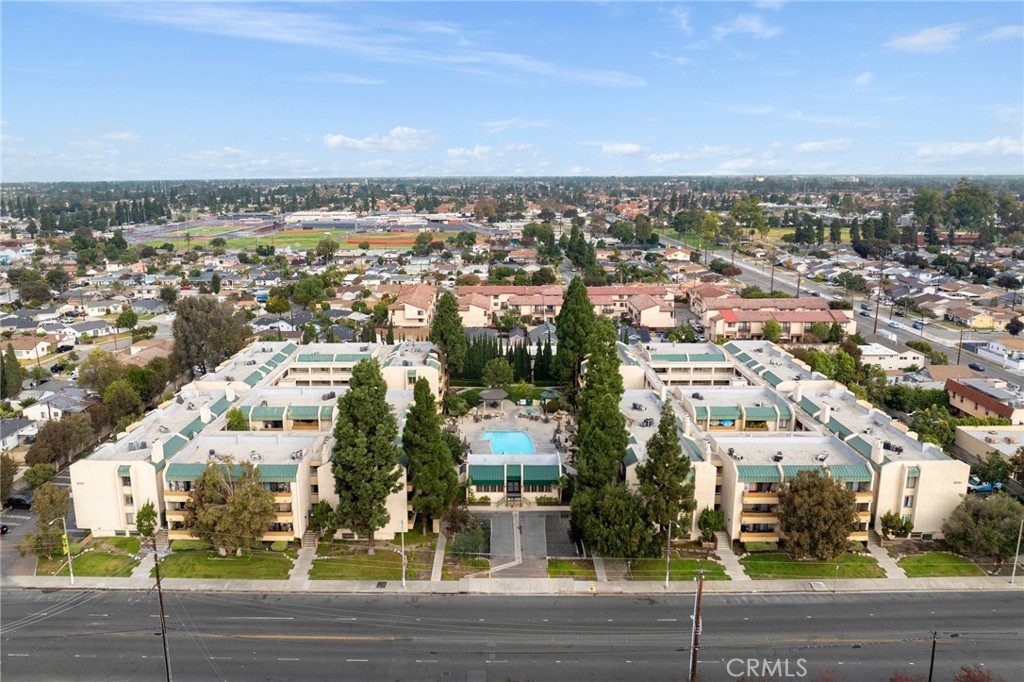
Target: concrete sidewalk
point(521, 586)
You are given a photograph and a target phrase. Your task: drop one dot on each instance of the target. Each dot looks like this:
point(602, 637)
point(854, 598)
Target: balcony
point(175, 516)
point(864, 517)
point(859, 536)
point(271, 536)
point(861, 498)
point(761, 498)
point(283, 517)
point(758, 517)
point(759, 537)
point(282, 497)
point(176, 496)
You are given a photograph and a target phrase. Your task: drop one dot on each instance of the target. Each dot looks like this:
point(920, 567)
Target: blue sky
point(145, 90)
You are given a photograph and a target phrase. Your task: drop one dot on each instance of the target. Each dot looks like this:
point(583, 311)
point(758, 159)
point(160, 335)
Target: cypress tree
point(602, 437)
point(431, 473)
point(575, 323)
point(449, 334)
point(365, 457)
point(13, 374)
point(663, 477)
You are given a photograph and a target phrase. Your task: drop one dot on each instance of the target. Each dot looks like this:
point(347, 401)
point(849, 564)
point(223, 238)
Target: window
point(911, 481)
point(908, 501)
point(126, 481)
point(537, 488)
point(490, 488)
point(129, 501)
point(315, 489)
point(129, 518)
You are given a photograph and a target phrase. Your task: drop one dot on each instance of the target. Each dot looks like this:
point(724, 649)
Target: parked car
point(976, 485)
point(865, 313)
point(900, 313)
point(865, 306)
point(16, 502)
point(895, 325)
point(65, 348)
point(976, 366)
point(919, 325)
point(3, 529)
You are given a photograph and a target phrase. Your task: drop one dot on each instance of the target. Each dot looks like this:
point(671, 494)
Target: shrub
point(547, 501)
point(186, 545)
point(475, 539)
point(753, 547)
point(279, 545)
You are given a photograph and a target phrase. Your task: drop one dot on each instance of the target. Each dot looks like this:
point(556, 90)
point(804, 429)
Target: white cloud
point(679, 61)
point(479, 152)
point(864, 79)
point(934, 39)
point(1012, 32)
point(682, 17)
point(510, 123)
point(707, 151)
point(617, 149)
point(123, 136)
point(997, 146)
point(751, 24)
point(398, 139)
point(841, 144)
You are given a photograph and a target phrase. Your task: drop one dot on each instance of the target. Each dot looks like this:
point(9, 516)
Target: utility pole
point(772, 288)
point(696, 627)
point(163, 618)
point(1016, 555)
point(931, 666)
point(668, 553)
point(960, 346)
point(878, 303)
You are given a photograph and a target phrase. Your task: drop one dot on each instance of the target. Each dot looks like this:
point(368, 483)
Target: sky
point(194, 90)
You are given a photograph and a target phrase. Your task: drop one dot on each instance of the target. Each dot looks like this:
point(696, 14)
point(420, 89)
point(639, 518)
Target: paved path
point(602, 575)
point(145, 566)
point(517, 546)
point(438, 566)
point(732, 565)
point(888, 564)
point(303, 562)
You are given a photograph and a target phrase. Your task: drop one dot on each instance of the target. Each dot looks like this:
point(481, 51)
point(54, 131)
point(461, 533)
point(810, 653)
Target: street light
point(67, 546)
point(668, 552)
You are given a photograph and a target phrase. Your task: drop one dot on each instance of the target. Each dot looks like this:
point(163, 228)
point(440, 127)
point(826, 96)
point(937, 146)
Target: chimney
point(687, 426)
point(877, 455)
point(156, 451)
point(663, 392)
point(825, 414)
point(229, 393)
point(204, 413)
point(798, 393)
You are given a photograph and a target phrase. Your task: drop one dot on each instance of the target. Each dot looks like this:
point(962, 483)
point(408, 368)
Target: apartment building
point(986, 398)
point(733, 317)
point(413, 311)
point(981, 440)
point(891, 360)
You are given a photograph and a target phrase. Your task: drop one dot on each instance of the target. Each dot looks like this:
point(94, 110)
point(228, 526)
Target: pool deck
point(514, 418)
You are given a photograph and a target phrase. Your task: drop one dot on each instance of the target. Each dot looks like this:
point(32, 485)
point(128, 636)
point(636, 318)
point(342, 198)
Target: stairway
point(163, 543)
point(309, 538)
point(732, 565)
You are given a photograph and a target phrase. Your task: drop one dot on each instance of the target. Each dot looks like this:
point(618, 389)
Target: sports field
point(303, 240)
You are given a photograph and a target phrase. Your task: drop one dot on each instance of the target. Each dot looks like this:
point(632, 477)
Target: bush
point(547, 501)
point(278, 545)
point(186, 545)
point(475, 539)
point(753, 547)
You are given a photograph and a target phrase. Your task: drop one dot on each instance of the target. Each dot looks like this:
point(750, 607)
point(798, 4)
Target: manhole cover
point(381, 584)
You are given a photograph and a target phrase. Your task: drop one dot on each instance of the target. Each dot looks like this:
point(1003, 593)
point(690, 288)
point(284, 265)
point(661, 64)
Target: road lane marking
point(289, 659)
point(259, 618)
point(19, 655)
point(311, 638)
point(220, 658)
point(667, 620)
point(357, 660)
point(495, 661)
point(98, 615)
point(85, 655)
point(426, 660)
point(344, 618)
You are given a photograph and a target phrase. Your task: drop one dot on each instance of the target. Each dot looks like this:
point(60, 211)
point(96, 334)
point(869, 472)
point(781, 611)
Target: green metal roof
point(853, 473)
point(742, 357)
point(732, 347)
point(809, 407)
point(839, 428)
point(914, 472)
point(267, 413)
point(669, 357)
point(514, 472)
point(757, 367)
point(706, 357)
point(760, 414)
point(630, 459)
point(289, 347)
point(184, 471)
point(278, 473)
point(304, 412)
point(784, 412)
point(860, 445)
point(173, 444)
point(327, 413)
point(701, 412)
point(758, 473)
point(487, 474)
point(124, 470)
point(541, 474)
point(254, 378)
point(192, 428)
point(793, 470)
point(315, 357)
point(725, 412)
point(270, 473)
point(221, 406)
point(772, 379)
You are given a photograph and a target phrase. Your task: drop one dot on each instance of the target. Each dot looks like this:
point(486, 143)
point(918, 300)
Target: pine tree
point(365, 457)
point(10, 385)
point(431, 473)
point(448, 333)
point(663, 477)
point(575, 323)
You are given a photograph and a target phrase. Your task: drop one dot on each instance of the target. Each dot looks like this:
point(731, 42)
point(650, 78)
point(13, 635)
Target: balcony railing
point(758, 517)
point(759, 537)
point(761, 498)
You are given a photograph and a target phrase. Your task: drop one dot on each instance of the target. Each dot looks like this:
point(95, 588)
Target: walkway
point(728, 558)
point(145, 566)
point(886, 562)
point(438, 566)
point(303, 562)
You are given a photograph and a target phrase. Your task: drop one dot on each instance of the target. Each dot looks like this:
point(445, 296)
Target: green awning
point(254, 378)
point(758, 473)
point(784, 413)
point(725, 412)
point(630, 459)
point(124, 470)
point(852, 473)
point(705, 357)
point(184, 471)
point(914, 472)
point(732, 347)
point(278, 473)
point(772, 379)
point(315, 357)
point(793, 470)
point(760, 414)
point(487, 474)
point(542, 474)
point(173, 444)
point(701, 412)
point(267, 413)
point(192, 428)
point(860, 445)
point(809, 407)
point(742, 357)
point(221, 406)
point(304, 412)
point(514, 472)
point(327, 413)
point(839, 428)
point(270, 473)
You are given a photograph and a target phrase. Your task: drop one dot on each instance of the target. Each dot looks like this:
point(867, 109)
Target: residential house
point(90, 328)
point(986, 398)
point(646, 311)
point(413, 311)
point(30, 348)
point(889, 359)
point(971, 317)
point(1006, 350)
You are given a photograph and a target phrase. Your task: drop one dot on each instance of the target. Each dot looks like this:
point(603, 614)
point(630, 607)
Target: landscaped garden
point(777, 566)
point(202, 563)
point(679, 569)
point(581, 569)
point(938, 564)
point(102, 557)
point(350, 561)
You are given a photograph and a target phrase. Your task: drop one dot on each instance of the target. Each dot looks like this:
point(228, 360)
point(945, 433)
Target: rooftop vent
point(212, 452)
point(777, 457)
point(164, 429)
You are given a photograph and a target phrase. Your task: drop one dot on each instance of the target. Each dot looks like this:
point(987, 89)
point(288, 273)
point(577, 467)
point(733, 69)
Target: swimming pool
point(509, 442)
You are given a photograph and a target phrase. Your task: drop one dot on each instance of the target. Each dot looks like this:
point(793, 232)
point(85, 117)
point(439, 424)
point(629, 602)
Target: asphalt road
point(113, 636)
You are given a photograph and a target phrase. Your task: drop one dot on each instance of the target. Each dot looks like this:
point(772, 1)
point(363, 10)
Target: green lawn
point(208, 564)
point(680, 569)
point(780, 566)
point(383, 565)
point(128, 545)
point(938, 564)
point(582, 569)
point(94, 564)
